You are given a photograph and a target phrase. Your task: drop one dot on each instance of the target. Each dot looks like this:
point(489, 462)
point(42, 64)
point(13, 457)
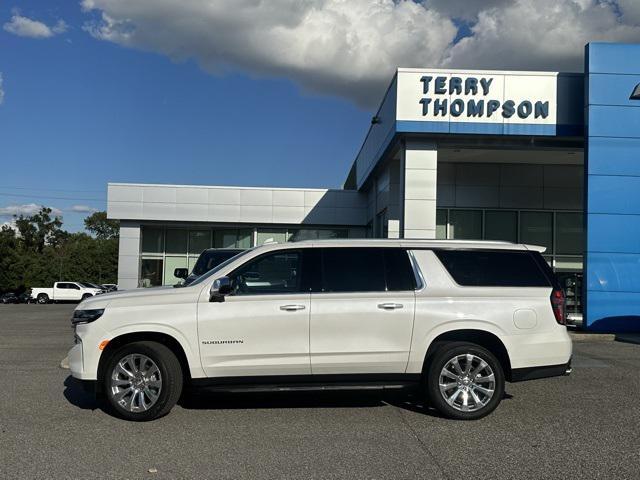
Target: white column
point(394, 208)
point(129, 255)
point(420, 164)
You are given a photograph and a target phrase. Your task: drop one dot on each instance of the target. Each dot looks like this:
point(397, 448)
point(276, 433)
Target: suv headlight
point(86, 316)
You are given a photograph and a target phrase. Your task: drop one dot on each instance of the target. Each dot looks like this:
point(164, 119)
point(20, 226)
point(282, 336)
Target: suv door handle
point(292, 308)
point(389, 306)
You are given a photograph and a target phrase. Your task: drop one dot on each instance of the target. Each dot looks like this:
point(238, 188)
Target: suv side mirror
point(181, 273)
point(221, 287)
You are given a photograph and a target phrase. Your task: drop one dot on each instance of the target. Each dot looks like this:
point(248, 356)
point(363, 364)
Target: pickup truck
point(65, 292)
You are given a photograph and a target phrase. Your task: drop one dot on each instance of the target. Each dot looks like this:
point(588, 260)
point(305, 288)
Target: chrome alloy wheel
point(136, 383)
point(467, 383)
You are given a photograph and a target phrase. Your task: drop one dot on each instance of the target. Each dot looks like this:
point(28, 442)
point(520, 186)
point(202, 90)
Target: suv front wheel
point(465, 381)
point(142, 381)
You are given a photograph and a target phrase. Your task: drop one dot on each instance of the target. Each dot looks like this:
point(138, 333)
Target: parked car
point(25, 297)
point(65, 292)
point(208, 259)
point(9, 298)
point(453, 319)
point(93, 285)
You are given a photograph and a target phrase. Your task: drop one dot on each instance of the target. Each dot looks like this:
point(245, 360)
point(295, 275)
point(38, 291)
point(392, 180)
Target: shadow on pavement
point(204, 399)
point(77, 396)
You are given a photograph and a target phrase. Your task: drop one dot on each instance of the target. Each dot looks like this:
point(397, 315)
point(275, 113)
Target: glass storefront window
point(199, 240)
point(317, 234)
point(501, 225)
point(151, 272)
point(272, 235)
point(225, 238)
point(382, 224)
point(441, 224)
point(176, 241)
point(192, 262)
point(569, 264)
point(569, 234)
point(327, 234)
point(245, 238)
point(152, 240)
point(465, 224)
point(170, 264)
point(535, 229)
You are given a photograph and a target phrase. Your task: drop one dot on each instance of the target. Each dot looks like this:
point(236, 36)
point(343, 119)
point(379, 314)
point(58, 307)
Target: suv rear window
point(355, 269)
point(491, 268)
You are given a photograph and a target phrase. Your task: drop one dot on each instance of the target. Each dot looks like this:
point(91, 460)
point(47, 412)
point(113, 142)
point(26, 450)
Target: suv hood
point(138, 296)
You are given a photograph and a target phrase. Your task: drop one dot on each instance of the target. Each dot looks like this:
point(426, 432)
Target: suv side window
point(491, 268)
point(398, 270)
point(353, 269)
point(62, 286)
point(273, 273)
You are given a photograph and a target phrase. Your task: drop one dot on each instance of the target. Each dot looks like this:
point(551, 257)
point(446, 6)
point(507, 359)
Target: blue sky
point(80, 112)
point(238, 92)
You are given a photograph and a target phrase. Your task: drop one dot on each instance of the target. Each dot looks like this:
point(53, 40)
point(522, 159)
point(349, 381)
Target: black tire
point(43, 298)
point(170, 373)
point(443, 356)
point(86, 295)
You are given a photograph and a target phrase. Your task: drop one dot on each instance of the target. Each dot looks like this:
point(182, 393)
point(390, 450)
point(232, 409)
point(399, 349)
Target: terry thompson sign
point(441, 95)
point(493, 97)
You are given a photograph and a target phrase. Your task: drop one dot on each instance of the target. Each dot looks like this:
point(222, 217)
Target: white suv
point(456, 319)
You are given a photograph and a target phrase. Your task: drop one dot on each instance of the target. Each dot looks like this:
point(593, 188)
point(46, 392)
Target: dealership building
point(545, 158)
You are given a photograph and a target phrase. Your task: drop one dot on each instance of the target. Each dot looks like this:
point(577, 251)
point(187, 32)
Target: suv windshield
point(212, 258)
point(208, 274)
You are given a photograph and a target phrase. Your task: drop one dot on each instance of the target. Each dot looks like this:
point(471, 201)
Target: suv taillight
point(558, 306)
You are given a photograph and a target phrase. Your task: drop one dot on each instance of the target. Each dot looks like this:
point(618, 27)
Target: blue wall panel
point(486, 128)
point(611, 89)
point(617, 58)
point(614, 272)
point(626, 151)
point(614, 311)
point(614, 233)
point(612, 257)
point(614, 120)
point(614, 194)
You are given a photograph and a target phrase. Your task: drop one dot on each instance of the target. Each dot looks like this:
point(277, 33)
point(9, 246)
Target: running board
point(293, 383)
point(305, 388)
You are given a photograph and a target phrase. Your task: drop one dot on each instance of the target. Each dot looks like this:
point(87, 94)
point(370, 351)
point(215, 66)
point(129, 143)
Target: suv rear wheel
point(465, 381)
point(142, 381)
point(43, 298)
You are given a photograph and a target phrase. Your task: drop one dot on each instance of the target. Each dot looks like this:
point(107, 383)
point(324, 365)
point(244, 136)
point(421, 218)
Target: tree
point(38, 252)
point(102, 227)
point(39, 230)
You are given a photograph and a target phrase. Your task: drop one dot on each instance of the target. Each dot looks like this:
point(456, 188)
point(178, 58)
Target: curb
point(592, 337)
point(628, 338)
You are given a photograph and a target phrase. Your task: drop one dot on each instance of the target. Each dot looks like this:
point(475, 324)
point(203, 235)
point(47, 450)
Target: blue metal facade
point(612, 207)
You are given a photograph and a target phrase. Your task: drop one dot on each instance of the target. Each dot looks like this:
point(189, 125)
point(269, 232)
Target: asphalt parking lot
point(583, 426)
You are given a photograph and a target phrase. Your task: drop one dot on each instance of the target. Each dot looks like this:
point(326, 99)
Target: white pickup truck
point(64, 291)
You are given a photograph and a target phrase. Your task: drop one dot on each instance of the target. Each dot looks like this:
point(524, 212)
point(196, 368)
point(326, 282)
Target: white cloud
point(83, 209)
point(26, 209)
point(11, 224)
point(352, 47)
point(345, 47)
point(27, 27)
point(541, 34)
point(1, 90)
